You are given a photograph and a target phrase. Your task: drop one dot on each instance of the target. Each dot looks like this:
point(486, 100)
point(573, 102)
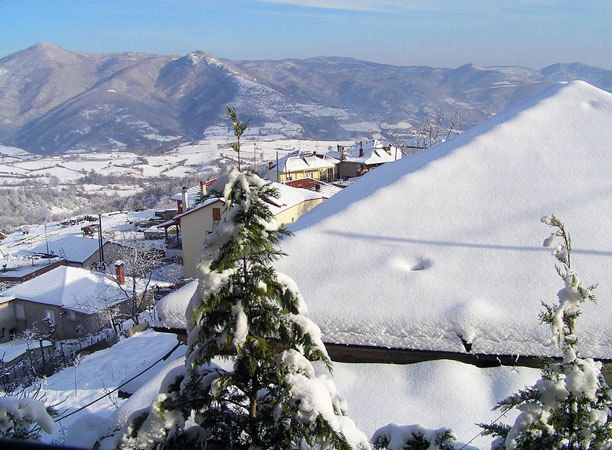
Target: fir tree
point(248, 313)
point(570, 407)
point(239, 129)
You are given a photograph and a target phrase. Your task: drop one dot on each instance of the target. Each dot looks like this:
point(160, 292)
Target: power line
point(470, 441)
point(166, 356)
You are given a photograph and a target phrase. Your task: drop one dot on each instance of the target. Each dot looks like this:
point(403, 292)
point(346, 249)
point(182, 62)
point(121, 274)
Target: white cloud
point(481, 6)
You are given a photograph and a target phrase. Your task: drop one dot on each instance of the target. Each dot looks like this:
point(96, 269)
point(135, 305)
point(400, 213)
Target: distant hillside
point(53, 100)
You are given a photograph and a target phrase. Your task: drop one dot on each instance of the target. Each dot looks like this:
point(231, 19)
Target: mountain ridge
point(53, 100)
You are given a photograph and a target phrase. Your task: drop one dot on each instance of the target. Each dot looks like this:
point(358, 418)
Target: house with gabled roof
point(69, 297)
point(205, 217)
point(79, 251)
point(299, 165)
point(365, 156)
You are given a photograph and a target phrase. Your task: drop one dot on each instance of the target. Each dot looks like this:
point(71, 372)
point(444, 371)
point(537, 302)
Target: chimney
point(203, 187)
point(185, 199)
point(120, 272)
point(360, 149)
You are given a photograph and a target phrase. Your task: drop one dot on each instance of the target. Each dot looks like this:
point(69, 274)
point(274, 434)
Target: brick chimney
point(120, 272)
point(360, 149)
point(203, 187)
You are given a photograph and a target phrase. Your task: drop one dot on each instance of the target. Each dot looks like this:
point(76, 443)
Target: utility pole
point(100, 243)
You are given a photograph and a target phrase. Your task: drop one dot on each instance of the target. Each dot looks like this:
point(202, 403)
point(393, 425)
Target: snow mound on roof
point(433, 394)
point(171, 309)
point(447, 244)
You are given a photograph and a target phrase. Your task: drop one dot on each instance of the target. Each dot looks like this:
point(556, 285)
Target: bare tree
point(429, 133)
point(105, 306)
point(139, 261)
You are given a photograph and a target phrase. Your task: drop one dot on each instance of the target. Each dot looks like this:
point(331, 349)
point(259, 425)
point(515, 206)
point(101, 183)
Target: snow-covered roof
point(21, 267)
point(204, 204)
point(374, 152)
point(76, 249)
point(289, 197)
point(326, 189)
point(68, 287)
point(448, 242)
point(299, 161)
point(192, 193)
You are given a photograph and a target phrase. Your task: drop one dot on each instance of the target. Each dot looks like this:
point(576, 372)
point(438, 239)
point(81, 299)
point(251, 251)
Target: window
point(216, 217)
point(19, 312)
point(50, 315)
point(71, 315)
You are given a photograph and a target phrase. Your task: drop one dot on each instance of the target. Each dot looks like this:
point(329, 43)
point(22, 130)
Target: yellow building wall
point(194, 228)
point(294, 213)
point(317, 174)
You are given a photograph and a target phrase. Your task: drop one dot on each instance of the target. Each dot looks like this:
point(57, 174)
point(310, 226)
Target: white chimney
point(185, 199)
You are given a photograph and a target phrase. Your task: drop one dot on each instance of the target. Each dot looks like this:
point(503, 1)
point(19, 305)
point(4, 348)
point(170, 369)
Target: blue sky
point(439, 33)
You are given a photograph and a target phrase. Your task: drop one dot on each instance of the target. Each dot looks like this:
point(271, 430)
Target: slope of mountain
point(53, 100)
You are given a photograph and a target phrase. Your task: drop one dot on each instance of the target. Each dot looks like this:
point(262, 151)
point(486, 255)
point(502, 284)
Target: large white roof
point(76, 249)
point(68, 287)
point(448, 242)
point(298, 161)
point(373, 153)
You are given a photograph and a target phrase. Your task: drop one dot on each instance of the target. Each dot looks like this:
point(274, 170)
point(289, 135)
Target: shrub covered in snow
point(413, 437)
point(244, 311)
point(570, 407)
point(23, 418)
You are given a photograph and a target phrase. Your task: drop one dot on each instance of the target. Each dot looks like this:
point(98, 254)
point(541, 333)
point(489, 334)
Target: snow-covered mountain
point(53, 100)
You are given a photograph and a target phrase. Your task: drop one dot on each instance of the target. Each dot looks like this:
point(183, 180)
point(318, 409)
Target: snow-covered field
point(17, 165)
point(433, 394)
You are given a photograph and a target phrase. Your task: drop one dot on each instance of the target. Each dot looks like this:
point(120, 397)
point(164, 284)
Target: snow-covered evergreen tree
point(24, 416)
point(570, 407)
point(245, 311)
point(415, 437)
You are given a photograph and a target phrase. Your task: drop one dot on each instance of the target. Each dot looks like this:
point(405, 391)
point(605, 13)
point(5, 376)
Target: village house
point(80, 251)
point(364, 156)
point(298, 165)
point(195, 223)
point(71, 298)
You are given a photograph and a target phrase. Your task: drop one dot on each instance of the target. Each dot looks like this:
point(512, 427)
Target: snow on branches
point(23, 418)
point(244, 312)
point(570, 407)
